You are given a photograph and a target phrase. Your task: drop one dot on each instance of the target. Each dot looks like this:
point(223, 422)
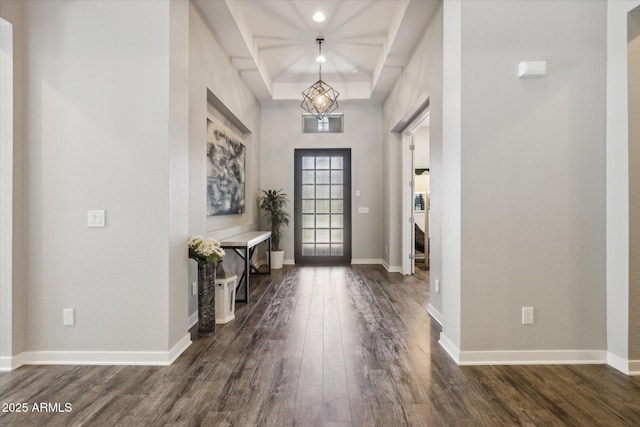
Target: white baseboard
point(437, 316)
point(147, 358)
point(193, 319)
point(618, 363)
point(391, 269)
point(533, 357)
point(11, 362)
point(366, 261)
point(522, 357)
point(627, 367)
point(289, 262)
point(179, 348)
point(448, 346)
point(260, 262)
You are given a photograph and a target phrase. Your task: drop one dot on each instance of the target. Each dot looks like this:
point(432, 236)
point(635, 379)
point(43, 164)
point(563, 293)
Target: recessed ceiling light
point(319, 17)
point(355, 71)
point(320, 59)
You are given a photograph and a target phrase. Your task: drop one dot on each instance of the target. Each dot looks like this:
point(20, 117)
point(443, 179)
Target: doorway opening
point(416, 195)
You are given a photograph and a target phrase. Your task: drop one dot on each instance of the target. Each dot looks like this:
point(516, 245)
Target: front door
point(322, 206)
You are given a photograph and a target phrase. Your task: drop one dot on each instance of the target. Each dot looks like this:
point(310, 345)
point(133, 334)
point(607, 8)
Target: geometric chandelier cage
point(320, 98)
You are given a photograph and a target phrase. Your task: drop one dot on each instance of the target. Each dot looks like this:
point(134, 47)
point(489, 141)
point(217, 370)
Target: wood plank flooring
point(325, 346)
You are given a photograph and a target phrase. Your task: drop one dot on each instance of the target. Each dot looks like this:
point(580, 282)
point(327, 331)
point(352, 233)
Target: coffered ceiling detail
point(272, 43)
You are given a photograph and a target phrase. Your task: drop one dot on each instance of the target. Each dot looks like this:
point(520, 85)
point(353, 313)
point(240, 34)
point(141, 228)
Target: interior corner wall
point(282, 134)
point(6, 191)
point(617, 169)
point(451, 176)
point(533, 176)
point(178, 163)
point(98, 138)
point(420, 80)
point(633, 88)
point(13, 12)
point(210, 70)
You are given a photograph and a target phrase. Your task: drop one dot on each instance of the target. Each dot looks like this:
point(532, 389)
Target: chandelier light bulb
point(319, 99)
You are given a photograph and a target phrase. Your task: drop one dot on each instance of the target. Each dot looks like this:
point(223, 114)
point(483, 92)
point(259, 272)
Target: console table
point(245, 245)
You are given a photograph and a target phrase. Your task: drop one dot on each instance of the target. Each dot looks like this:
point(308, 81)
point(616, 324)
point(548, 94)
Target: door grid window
point(322, 197)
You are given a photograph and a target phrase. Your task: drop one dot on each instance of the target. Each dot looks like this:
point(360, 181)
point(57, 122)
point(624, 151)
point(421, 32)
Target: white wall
point(421, 141)
point(100, 133)
point(533, 176)
point(282, 133)
point(14, 343)
point(420, 80)
point(210, 69)
point(6, 188)
point(617, 167)
point(451, 175)
point(633, 56)
point(178, 165)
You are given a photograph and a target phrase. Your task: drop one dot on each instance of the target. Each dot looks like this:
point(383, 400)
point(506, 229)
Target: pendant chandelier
point(320, 99)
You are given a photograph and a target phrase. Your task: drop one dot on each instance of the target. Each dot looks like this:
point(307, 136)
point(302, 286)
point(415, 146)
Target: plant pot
point(277, 259)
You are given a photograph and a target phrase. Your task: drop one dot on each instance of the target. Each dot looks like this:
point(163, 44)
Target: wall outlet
point(68, 317)
point(527, 315)
point(194, 288)
point(437, 286)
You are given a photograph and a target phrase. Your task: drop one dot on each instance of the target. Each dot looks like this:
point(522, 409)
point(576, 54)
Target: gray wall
point(533, 179)
point(282, 133)
point(618, 185)
point(13, 342)
point(634, 182)
point(102, 135)
point(210, 70)
point(420, 80)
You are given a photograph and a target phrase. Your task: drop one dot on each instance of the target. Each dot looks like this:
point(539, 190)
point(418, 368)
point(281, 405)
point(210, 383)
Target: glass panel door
point(322, 204)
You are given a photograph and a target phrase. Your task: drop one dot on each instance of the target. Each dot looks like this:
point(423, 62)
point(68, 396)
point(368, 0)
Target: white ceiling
point(272, 43)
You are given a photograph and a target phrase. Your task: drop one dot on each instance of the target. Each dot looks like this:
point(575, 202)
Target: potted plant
point(273, 203)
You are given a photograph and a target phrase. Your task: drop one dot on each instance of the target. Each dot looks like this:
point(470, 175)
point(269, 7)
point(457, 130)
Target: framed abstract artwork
point(225, 171)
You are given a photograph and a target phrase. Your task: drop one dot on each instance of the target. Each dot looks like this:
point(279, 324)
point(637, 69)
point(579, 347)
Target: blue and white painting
point(225, 171)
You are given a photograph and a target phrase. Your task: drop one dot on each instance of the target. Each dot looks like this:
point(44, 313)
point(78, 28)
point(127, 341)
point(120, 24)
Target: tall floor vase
point(206, 298)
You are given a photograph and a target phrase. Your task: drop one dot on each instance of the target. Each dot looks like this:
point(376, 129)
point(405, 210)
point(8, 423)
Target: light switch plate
point(68, 317)
point(363, 210)
point(532, 69)
point(96, 218)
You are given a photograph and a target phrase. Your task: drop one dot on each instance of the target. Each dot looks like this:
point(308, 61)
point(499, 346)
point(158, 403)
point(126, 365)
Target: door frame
point(408, 192)
point(297, 206)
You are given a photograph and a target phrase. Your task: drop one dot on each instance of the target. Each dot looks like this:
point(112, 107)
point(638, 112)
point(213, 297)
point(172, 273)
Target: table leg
point(269, 253)
point(247, 269)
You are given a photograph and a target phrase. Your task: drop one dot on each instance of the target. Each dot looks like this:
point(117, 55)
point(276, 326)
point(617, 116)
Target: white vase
point(277, 259)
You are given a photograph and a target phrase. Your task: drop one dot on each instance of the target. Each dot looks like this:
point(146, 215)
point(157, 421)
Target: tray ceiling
point(272, 43)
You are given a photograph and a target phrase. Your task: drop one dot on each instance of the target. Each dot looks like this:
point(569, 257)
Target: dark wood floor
point(326, 346)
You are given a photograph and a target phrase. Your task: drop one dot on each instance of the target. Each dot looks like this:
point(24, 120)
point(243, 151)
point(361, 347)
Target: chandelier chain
point(320, 55)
